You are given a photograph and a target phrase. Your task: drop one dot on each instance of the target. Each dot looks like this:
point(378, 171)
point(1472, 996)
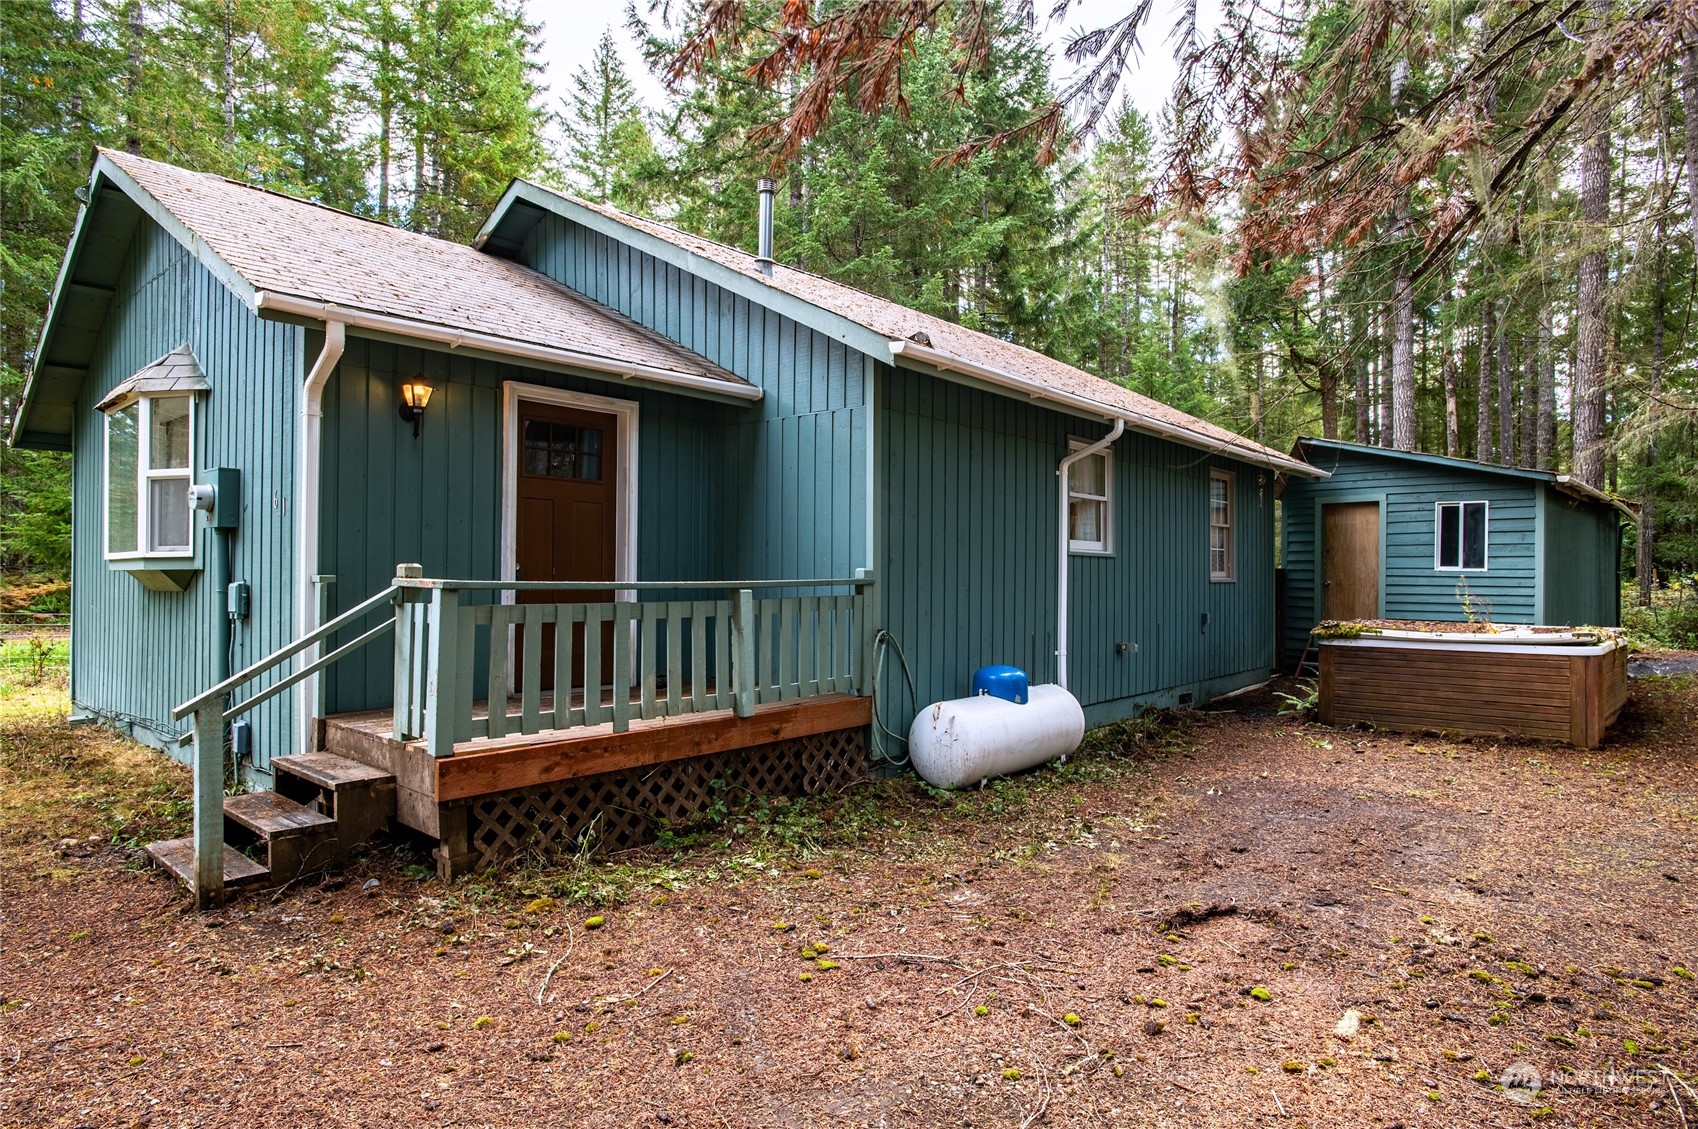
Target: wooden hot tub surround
point(1551, 684)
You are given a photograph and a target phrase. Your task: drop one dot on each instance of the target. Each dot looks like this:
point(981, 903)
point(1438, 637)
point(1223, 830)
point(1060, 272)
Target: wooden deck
point(427, 786)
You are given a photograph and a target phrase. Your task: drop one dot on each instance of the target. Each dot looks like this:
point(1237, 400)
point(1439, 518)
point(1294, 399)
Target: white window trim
point(1231, 527)
point(146, 475)
point(1486, 549)
point(1105, 547)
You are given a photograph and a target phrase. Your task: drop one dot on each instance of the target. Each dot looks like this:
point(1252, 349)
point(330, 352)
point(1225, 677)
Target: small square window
point(1460, 537)
point(1221, 562)
point(1090, 482)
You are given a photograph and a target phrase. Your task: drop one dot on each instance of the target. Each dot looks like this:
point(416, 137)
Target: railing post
point(406, 660)
point(209, 805)
point(321, 584)
point(442, 690)
point(864, 579)
point(743, 676)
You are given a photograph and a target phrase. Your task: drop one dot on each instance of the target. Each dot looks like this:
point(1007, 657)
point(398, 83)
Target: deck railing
point(614, 661)
point(663, 658)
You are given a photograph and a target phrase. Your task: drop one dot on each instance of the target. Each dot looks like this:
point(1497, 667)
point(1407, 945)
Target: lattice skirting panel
point(628, 807)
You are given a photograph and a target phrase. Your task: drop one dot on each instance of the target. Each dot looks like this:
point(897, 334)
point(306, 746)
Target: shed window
point(1220, 525)
point(1461, 537)
point(1090, 483)
point(148, 445)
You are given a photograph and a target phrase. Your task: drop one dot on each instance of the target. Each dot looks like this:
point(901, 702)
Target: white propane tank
point(962, 742)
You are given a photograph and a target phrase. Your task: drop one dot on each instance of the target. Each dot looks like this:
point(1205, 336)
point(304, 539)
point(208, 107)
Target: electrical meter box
point(226, 512)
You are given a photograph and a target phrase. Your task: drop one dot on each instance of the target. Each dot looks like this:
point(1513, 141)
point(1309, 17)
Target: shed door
point(1350, 560)
point(567, 525)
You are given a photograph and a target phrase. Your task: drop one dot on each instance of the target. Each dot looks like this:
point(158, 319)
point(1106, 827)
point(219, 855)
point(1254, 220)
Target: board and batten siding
point(1582, 544)
point(1411, 586)
point(968, 501)
point(136, 653)
point(794, 484)
point(436, 500)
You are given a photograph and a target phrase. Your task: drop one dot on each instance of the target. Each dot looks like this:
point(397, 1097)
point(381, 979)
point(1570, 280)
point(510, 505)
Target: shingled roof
point(941, 343)
point(265, 245)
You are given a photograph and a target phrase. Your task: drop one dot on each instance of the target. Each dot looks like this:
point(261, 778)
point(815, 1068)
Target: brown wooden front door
point(568, 514)
point(1350, 560)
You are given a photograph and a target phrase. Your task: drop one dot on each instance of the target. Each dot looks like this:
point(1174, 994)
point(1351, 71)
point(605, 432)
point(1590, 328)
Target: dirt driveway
point(1231, 920)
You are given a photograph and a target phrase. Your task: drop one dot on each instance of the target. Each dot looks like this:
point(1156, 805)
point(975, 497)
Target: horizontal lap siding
point(790, 472)
point(969, 507)
point(1412, 587)
point(136, 653)
point(436, 500)
point(1583, 550)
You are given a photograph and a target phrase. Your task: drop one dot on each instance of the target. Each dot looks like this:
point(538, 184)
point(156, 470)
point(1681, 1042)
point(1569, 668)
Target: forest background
point(1463, 228)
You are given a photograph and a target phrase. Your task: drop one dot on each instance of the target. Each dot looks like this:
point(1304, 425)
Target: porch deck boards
point(487, 766)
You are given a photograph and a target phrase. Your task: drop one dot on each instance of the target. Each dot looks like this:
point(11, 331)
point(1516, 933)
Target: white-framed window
point(149, 448)
point(1459, 536)
point(1221, 501)
point(1090, 500)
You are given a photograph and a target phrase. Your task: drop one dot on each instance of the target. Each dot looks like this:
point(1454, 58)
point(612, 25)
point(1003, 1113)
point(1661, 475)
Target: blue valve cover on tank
point(1006, 682)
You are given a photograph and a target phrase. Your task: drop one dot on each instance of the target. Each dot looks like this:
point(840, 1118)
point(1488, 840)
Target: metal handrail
point(286, 652)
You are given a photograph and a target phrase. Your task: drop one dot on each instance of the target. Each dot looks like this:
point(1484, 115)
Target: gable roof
point(296, 258)
point(885, 325)
point(1560, 482)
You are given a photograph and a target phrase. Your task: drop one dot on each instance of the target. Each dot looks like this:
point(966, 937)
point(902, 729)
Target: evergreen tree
point(607, 142)
point(53, 97)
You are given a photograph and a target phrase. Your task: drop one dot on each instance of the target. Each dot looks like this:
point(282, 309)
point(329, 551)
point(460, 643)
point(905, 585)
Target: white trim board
point(625, 470)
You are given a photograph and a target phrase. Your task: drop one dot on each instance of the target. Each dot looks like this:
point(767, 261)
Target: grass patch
point(70, 782)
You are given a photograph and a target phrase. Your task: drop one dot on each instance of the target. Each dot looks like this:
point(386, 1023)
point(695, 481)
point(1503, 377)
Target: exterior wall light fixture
point(415, 397)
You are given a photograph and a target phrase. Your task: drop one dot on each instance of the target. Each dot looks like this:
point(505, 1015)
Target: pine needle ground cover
point(1220, 919)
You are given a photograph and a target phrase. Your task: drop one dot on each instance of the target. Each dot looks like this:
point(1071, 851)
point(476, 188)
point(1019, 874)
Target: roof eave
point(21, 436)
point(271, 303)
point(1137, 421)
point(107, 170)
point(1568, 484)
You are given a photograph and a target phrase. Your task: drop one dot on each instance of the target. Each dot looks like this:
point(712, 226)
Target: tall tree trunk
point(1591, 330)
point(1483, 385)
point(1546, 430)
point(229, 75)
point(1689, 99)
point(1527, 400)
point(1645, 562)
point(136, 28)
point(1173, 317)
point(1452, 433)
point(1402, 302)
point(1383, 338)
point(1359, 370)
point(1506, 392)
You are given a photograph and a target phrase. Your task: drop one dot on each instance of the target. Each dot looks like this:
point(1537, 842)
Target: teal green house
point(273, 406)
point(1402, 535)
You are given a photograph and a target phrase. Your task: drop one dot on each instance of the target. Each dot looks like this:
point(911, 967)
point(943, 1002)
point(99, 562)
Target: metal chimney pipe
point(763, 256)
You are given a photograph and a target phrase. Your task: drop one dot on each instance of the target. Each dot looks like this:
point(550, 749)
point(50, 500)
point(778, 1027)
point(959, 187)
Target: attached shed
point(1403, 535)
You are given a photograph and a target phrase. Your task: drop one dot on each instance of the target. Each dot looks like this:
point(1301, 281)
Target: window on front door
point(563, 450)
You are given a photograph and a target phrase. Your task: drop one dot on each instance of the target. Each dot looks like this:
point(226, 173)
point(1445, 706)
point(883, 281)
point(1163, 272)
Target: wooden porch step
point(272, 817)
point(329, 771)
point(178, 857)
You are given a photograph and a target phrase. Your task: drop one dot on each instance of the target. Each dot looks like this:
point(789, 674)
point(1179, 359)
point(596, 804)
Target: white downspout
point(306, 512)
point(1061, 547)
